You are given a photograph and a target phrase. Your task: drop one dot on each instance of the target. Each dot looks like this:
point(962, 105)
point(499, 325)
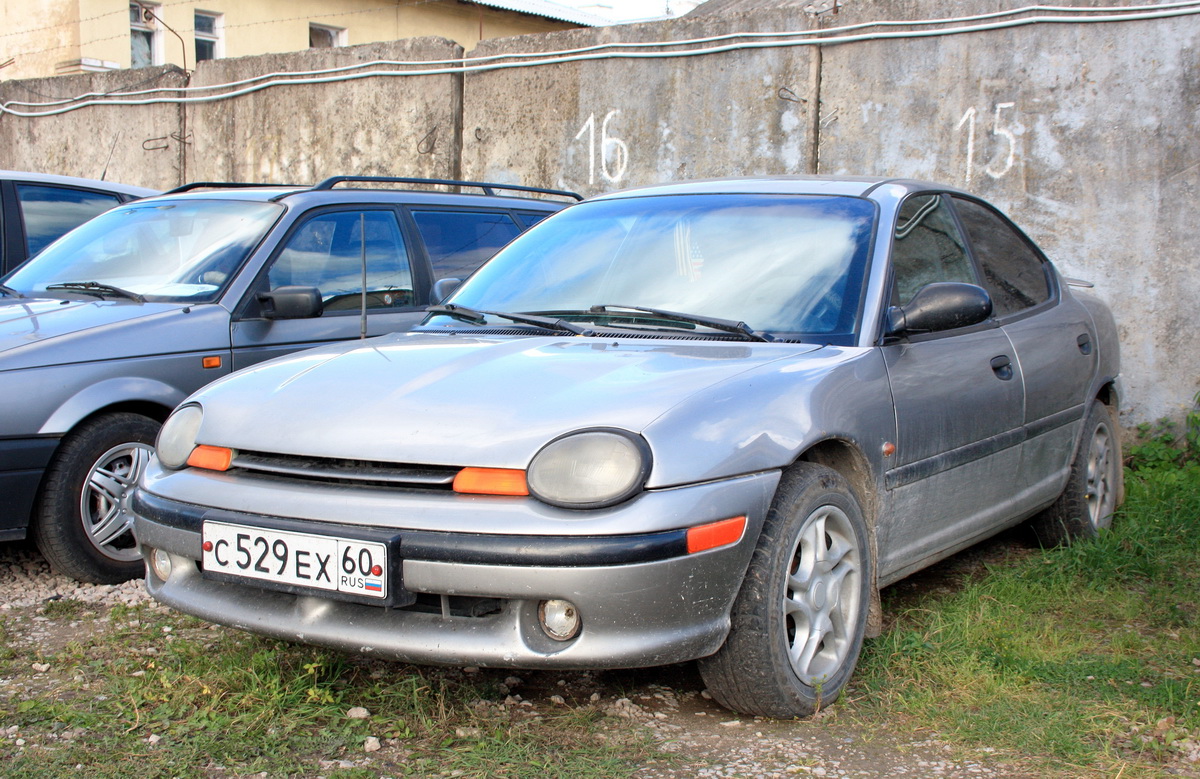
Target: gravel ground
point(703, 739)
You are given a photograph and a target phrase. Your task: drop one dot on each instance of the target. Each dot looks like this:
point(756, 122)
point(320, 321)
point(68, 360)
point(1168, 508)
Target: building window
point(145, 44)
point(209, 36)
point(322, 37)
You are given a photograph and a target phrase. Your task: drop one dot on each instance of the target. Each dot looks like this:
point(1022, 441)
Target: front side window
point(779, 263)
point(209, 36)
point(181, 250)
point(48, 212)
point(460, 241)
point(145, 48)
point(1013, 273)
point(927, 247)
point(334, 251)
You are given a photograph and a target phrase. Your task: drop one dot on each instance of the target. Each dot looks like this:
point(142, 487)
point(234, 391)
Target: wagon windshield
point(790, 265)
point(181, 250)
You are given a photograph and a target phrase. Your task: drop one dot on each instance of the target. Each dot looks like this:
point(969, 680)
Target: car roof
point(73, 181)
point(305, 197)
point(853, 186)
point(394, 189)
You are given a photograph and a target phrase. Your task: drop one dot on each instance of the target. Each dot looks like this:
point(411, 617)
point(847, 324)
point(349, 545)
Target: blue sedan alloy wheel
point(799, 619)
point(84, 527)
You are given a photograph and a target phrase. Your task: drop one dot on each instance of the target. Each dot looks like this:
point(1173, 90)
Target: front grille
point(344, 471)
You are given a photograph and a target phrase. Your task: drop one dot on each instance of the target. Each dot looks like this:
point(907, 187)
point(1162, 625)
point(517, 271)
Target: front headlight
point(177, 438)
point(590, 469)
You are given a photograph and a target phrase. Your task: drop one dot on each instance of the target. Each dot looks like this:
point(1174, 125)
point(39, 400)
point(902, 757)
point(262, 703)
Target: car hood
point(44, 331)
point(464, 400)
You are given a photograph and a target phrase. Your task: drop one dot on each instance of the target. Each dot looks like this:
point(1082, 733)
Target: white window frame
point(217, 37)
point(152, 27)
point(337, 34)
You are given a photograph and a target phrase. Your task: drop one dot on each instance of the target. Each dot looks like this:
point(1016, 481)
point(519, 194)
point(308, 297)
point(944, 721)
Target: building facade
point(41, 38)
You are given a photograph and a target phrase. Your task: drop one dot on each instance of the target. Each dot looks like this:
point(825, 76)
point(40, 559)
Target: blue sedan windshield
point(163, 250)
point(785, 264)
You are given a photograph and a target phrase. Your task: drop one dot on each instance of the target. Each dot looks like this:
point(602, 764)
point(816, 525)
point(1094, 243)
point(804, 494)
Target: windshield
point(785, 264)
point(180, 250)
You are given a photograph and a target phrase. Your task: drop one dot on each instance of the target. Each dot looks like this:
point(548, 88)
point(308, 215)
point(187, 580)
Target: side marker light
point(704, 537)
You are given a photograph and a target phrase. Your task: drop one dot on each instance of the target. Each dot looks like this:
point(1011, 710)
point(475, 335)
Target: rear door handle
point(1002, 367)
point(1084, 342)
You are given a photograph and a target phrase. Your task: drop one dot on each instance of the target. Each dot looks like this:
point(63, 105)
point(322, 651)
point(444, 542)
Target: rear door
point(959, 403)
point(1054, 341)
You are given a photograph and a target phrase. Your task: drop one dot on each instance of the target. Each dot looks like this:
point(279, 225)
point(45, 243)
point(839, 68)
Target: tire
point(82, 523)
point(1094, 486)
point(798, 622)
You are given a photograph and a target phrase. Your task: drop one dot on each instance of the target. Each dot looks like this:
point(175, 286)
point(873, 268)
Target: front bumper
point(641, 598)
point(22, 464)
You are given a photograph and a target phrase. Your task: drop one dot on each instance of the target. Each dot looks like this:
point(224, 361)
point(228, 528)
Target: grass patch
point(167, 696)
point(1086, 656)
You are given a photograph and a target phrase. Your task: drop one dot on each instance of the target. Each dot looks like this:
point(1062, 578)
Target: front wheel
point(798, 622)
point(1093, 487)
point(83, 525)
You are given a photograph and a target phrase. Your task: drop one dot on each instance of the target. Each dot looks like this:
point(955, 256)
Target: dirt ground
point(704, 739)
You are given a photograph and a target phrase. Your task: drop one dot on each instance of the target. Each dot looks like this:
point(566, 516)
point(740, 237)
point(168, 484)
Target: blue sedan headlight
point(589, 469)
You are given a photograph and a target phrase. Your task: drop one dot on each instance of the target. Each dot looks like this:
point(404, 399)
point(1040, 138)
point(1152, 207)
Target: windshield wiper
point(477, 317)
point(12, 293)
point(725, 325)
point(97, 289)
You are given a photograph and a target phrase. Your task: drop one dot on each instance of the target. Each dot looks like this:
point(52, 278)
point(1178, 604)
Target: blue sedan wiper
point(477, 317)
point(725, 325)
point(97, 289)
point(12, 293)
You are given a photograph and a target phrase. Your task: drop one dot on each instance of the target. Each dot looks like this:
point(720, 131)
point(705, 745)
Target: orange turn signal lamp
point(491, 481)
point(723, 533)
point(212, 458)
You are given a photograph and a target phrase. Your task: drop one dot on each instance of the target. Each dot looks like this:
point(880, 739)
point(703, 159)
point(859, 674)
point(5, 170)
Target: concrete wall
point(304, 133)
point(1082, 131)
point(610, 123)
point(130, 144)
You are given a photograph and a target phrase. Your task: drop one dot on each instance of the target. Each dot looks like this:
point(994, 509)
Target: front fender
point(107, 393)
point(765, 419)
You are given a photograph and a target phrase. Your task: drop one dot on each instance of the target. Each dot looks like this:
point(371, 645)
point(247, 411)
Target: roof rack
point(225, 185)
point(488, 188)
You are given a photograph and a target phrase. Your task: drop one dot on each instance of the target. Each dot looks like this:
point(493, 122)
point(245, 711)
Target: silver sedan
point(705, 421)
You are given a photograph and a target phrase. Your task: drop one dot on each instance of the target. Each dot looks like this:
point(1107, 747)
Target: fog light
point(160, 562)
point(559, 619)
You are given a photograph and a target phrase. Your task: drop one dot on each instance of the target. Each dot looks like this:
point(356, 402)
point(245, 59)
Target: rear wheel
point(83, 525)
point(1093, 486)
point(799, 619)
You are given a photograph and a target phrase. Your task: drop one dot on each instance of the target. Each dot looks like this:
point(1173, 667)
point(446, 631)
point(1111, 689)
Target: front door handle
point(1002, 367)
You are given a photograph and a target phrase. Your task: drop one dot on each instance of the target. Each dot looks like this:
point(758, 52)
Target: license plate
point(329, 563)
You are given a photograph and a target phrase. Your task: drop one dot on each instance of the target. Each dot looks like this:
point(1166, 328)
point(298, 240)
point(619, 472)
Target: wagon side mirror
point(443, 288)
point(943, 305)
point(291, 302)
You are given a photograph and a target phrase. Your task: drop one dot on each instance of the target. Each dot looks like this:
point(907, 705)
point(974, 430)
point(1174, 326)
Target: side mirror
point(442, 289)
point(291, 303)
point(943, 305)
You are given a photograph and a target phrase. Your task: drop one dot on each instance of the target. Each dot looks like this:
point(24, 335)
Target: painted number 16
point(613, 153)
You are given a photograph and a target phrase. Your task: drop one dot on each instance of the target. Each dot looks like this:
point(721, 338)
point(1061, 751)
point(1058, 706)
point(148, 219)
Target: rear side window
point(50, 211)
point(1013, 273)
point(460, 241)
point(927, 247)
point(530, 218)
